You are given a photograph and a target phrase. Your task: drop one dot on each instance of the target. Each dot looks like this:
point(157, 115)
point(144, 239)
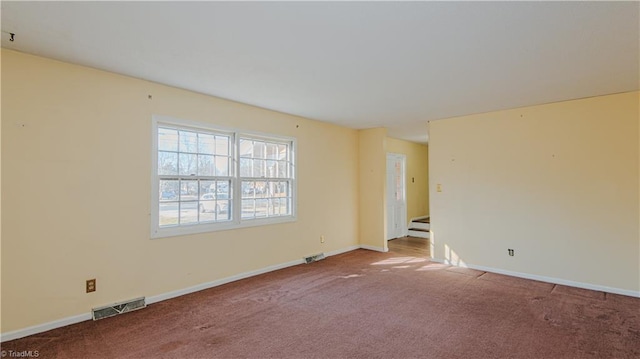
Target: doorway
point(396, 196)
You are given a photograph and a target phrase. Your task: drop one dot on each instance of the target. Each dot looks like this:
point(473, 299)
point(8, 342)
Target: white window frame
point(237, 221)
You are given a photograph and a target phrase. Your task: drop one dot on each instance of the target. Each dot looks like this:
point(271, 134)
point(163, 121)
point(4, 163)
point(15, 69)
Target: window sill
point(186, 230)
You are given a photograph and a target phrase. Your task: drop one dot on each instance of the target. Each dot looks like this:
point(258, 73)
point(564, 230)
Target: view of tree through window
point(194, 174)
point(209, 177)
point(265, 176)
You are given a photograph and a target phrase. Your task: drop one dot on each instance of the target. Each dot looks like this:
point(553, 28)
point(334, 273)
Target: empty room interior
point(320, 179)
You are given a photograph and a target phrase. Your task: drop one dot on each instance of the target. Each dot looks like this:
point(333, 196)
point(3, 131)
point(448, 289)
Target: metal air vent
point(118, 308)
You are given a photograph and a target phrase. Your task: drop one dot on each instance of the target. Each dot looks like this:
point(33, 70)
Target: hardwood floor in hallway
point(412, 246)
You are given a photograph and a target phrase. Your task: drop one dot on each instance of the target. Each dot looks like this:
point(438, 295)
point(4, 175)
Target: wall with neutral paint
point(557, 182)
point(417, 175)
point(0, 195)
point(372, 171)
point(76, 163)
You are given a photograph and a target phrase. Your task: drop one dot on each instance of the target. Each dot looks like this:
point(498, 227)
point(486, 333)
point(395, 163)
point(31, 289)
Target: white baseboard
point(342, 250)
point(218, 282)
point(553, 280)
point(233, 278)
point(374, 248)
point(21, 333)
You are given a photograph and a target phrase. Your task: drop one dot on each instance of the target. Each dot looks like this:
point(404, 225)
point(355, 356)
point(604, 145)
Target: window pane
point(247, 189)
point(167, 163)
point(246, 148)
point(208, 216)
point(206, 144)
point(188, 141)
point(169, 190)
point(283, 151)
point(248, 208)
point(271, 170)
point(207, 205)
point(261, 207)
point(222, 166)
point(273, 203)
point(222, 189)
point(205, 165)
point(222, 145)
point(168, 214)
point(223, 209)
point(188, 164)
point(167, 139)
point(283, 169)
point(283, 189)
point(258, 168)
point(272, 151)
point(260, 189)
point(207, 187)
point(189, 190)
point(272, 207)
point(246, 166)
point(272, 187)
point(283, 206)
point(188, 212)
point(258, 149)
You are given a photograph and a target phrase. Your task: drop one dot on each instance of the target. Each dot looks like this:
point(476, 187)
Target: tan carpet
point(363, 304)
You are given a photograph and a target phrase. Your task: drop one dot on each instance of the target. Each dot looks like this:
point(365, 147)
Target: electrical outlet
point(91, 285)
point(511, 252)
point(321, 239)
point(439, 187)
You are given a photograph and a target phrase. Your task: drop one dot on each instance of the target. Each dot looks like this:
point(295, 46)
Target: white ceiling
point(358, 64)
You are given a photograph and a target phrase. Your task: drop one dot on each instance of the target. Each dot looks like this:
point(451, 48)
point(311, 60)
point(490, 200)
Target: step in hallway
point(419, 227)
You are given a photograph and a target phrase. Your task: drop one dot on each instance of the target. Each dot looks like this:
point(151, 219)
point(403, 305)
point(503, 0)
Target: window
point(207, 179)
point(265, 178)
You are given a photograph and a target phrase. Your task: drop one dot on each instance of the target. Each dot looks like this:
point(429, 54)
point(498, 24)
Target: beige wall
point(0, 193)
point(372, 171)
point(76, 162)
point(558, 183)
point(417, 173)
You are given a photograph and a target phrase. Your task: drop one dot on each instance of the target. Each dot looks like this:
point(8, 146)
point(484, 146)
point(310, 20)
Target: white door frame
point(396, 196)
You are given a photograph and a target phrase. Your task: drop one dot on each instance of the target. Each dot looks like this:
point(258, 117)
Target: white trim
point(343, 250)
point(218, 282)
point(403, 217)
point(418, 234)
point(185, 230)
point(21, 333)
point(233, 278)
point(374, 248)
point(541, 278)
point(155, 196)
point(40, 328)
